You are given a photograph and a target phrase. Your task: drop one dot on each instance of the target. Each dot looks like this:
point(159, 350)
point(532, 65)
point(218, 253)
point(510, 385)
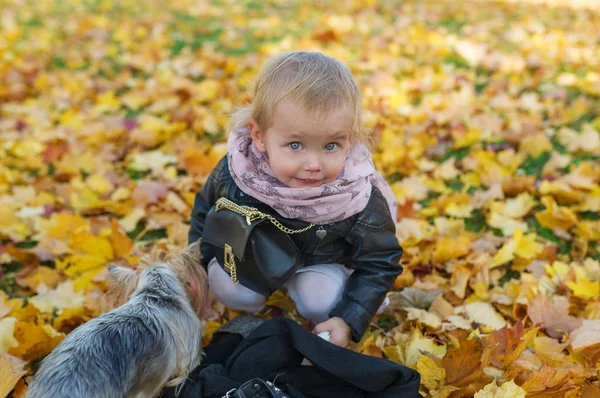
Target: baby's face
point(305, 149)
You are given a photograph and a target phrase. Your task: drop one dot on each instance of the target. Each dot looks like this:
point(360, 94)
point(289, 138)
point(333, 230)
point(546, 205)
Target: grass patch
point(457, 154)
point(534, 166)
point(476, 222)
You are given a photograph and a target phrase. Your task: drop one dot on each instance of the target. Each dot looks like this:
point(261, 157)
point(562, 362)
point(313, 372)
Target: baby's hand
point(338, 330)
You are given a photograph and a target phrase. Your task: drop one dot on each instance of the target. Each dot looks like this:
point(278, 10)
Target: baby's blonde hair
point(316, 81)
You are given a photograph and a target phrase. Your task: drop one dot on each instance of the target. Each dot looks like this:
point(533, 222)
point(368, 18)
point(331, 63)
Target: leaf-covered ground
point(487, 119)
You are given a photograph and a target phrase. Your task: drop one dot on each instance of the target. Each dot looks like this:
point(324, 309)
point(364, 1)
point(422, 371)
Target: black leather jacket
point(365, 242)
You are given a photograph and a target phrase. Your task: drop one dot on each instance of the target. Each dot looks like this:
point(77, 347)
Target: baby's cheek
point(282, 168)
point(336, 167)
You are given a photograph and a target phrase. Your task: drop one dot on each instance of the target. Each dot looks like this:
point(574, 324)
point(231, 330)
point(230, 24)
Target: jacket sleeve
point(205, 199)
point(376, 257)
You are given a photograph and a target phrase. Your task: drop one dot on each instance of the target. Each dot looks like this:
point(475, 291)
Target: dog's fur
point(153, 340)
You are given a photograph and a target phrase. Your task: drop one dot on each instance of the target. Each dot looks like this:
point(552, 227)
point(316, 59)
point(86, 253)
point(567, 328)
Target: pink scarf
point(344, 197)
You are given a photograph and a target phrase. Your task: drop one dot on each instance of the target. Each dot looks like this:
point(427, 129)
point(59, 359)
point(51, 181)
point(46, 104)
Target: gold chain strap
point(252, 214)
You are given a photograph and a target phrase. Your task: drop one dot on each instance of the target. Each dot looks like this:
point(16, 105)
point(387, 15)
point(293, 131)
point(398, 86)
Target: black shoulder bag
point(256, 388)
point(253, 247)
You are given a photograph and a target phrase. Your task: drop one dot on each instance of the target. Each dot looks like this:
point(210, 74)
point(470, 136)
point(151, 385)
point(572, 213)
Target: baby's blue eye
point(294, 146)
point(331, 146)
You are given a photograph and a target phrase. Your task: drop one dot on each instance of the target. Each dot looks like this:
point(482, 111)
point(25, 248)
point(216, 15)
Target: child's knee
point(316, 311)
point(313, 300)
point(233, 295)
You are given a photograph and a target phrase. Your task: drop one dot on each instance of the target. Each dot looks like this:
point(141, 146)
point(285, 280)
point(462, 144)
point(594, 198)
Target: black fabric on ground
point(276, 348)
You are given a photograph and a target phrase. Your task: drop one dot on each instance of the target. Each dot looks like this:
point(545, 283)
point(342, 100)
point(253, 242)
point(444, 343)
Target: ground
point(486, 118)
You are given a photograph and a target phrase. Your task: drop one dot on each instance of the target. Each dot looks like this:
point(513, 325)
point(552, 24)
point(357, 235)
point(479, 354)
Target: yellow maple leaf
point(11, 370)
point(433, 377)
point(506, 390)
point(459, 210)
point(130, 221)
point(72, 118)
point(281, 300)
point(555, 216)
point(423, 317)
point(121, 243)
point(24, 313)
point(12, 226)
point(43, 275)
point(467, 139)
point(518, 207)
point(417, 343)
point(508, 225)
point(97, 246)
point(583, 287)
point(35, 340)
point(64, 224)
point(107, 102)
point(134, 100)
point(505, 254)
point(450, 248)
point(483, 313)
point(77, 264)
point(557, 271)
point(99, 183)
point(209, 329)
point(524, 246)
point(535, 145)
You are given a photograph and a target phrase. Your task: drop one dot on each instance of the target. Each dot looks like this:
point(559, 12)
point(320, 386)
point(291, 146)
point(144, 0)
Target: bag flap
point(276, 254)
point(227, 227)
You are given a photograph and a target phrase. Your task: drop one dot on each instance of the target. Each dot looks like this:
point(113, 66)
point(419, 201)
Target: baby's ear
point(119, 276)
point(257, 135)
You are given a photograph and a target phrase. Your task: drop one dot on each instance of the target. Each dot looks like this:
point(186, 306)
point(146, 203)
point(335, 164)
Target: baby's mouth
point(308, 181)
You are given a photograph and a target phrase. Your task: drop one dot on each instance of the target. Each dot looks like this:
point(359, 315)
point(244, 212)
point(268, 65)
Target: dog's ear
point(121, 282)
point(192, 251)
point(119, 276)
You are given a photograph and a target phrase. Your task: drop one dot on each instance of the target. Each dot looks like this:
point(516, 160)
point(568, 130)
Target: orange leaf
point(120, 242)
point(464, 366)
point(35, 340)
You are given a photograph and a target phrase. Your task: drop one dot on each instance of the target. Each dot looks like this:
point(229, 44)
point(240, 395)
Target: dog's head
point(123, 281)
point(192, 275)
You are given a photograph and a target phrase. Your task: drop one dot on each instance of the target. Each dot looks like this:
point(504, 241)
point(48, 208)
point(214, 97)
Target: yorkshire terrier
point(151, 341)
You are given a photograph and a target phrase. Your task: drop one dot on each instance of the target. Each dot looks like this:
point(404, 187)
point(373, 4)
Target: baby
point(298, 152)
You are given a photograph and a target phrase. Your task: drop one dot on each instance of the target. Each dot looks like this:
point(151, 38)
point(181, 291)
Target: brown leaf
point(549, 382)
point(54, 150)
point(552, 315)
point(515, 185)
point(509, 343)
point(463, 365)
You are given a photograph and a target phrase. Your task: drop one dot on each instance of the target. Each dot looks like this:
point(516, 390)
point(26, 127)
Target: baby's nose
point(313, 164)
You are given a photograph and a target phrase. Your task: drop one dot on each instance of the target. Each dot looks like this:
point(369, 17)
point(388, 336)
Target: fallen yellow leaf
point(507, 390)
point(11, 370)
